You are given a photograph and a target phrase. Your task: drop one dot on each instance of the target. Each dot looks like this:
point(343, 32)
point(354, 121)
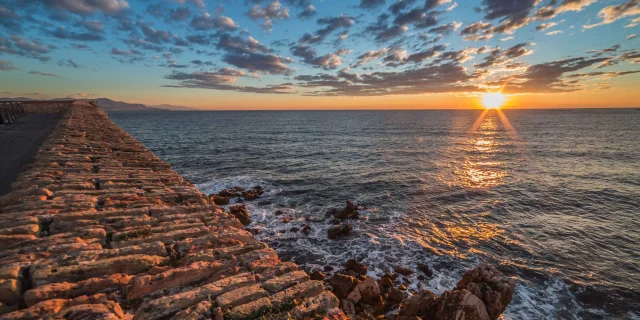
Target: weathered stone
point(369, 289)
point(132, 264)
point(65, 290)
point(315, 306)
point(356, 266)
point(285, 281)
point(355, 296)
point(317, 275)
point(240, 296)
point(10, 272)
point(395, 295)
point(339, 231)
point(458, 304)
point(10, 291)
point(303, 290)
point(403, 270)
point(251, 309)
point(198, 271)
point(342, 285)
point(168, 305)
point(418, 304)
point(201, 310)
point(489, 285)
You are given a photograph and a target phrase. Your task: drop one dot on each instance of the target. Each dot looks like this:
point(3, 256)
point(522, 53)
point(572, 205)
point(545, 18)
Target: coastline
point(98, 225)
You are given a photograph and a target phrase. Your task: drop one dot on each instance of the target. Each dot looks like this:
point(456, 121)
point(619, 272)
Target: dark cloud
point(201, 39)
point(63, 33)
point(207, 22)
point(431, 4)
point(70, 63)
point(223, 79)
point(327, 61)
point(92, 25)
point(202, 63)
point(446, 29)
point(550, 11)
point(549, 77)
point(498, 57)
point(87, 7)
point(272, 11)
point(238, 45)
point(370, 4)
point(257, 62)
point(332, 24)
point(179, 14)
point(476, 31)
point(152, 35)
point(369, 56)
point(9, 19)
point(143, 44)
point(119, 52)
point(6, 65)
point(19, 46)
point(44, 74)
point(511, 15)
point(308, 12)
point(401, 5)
point(429, 79)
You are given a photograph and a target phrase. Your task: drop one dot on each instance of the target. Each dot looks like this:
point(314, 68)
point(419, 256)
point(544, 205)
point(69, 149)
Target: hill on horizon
point(109, 105)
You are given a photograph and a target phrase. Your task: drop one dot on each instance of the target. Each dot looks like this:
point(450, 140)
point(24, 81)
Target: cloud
point(370, 4)
point(70, 63)
point(309, 56)
point(631, 36)
point(6, 65)
point(548, 77)
point(446, 29)
point(552, 33)
point(612, 13)
point(92, 25)
point(308, 12)
point(87, 7)
point(550, 12)
point(510, 14)
point(19, 46)
point(257, 62)
point(500, 57)
point(223, 79)
point(331, 24)
point(207, 22)
point(238, 45)
point(369, 56)
point(476, 31)
point(430, 4)
point(272, 11)
point(63, 33)
point(44, 74)
point(118, 52)
point(546, 26)
point(429, 79)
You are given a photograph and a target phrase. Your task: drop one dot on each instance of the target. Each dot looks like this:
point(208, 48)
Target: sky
point(331, 54)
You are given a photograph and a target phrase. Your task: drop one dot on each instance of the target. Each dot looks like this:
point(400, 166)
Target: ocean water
point(551, 197)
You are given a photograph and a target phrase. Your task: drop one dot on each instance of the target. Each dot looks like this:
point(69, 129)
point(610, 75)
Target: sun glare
point(493, 100)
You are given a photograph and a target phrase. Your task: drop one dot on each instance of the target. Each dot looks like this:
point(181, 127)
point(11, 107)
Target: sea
point(550, 197)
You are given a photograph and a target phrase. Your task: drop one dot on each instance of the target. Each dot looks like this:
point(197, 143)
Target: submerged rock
point(338, 231)
point(219, 200)
point(425, 269)
point(349, 212)
point(240, 212)
point(403, 270)
point(250, 195)
point(356, 266)
point(489, 285)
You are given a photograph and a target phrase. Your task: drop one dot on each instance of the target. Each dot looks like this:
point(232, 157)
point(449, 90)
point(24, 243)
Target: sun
point(493, 100)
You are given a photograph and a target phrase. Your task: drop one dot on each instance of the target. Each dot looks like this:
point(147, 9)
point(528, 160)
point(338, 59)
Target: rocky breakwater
point(99, 228)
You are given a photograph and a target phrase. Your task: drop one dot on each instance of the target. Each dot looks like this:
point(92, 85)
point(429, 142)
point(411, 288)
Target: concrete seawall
point(98, 227)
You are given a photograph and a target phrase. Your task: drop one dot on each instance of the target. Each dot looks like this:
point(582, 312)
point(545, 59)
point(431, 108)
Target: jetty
point(98, 227)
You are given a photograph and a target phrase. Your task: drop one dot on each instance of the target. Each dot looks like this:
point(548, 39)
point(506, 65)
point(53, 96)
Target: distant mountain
point(172, 107)
point(109, 105)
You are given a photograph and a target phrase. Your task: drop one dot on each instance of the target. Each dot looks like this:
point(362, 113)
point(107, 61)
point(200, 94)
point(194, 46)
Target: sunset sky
point(312, 54)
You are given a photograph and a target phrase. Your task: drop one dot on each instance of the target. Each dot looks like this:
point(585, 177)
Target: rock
point(395, 295)
point(250, 195)
point(229, 193)
point(286, 220)
point(352, 273)
point(425, 269)
point(369, 290)
point(338, 231)
point(356, 266)
point(254, 231)
point(403, 270)
point(294, 229)
point(306, 229)
point(219, 200)
point(349, 212)
point(240, 212)
point(317, 275)
point(418, 304)
point(355, 296)
point(342, 285)
point(385, 282)
point(327, 268)
point(349, 308)
point(258, 189)
point(314, 306)
point(489, 285)
point(458, 304)
point(278, 212)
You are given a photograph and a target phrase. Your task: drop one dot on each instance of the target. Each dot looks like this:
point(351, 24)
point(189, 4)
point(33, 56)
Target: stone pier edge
point(98, 227)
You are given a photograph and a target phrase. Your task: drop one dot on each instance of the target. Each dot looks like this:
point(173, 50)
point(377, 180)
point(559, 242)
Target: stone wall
point(98, 227)
point(47, 107)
